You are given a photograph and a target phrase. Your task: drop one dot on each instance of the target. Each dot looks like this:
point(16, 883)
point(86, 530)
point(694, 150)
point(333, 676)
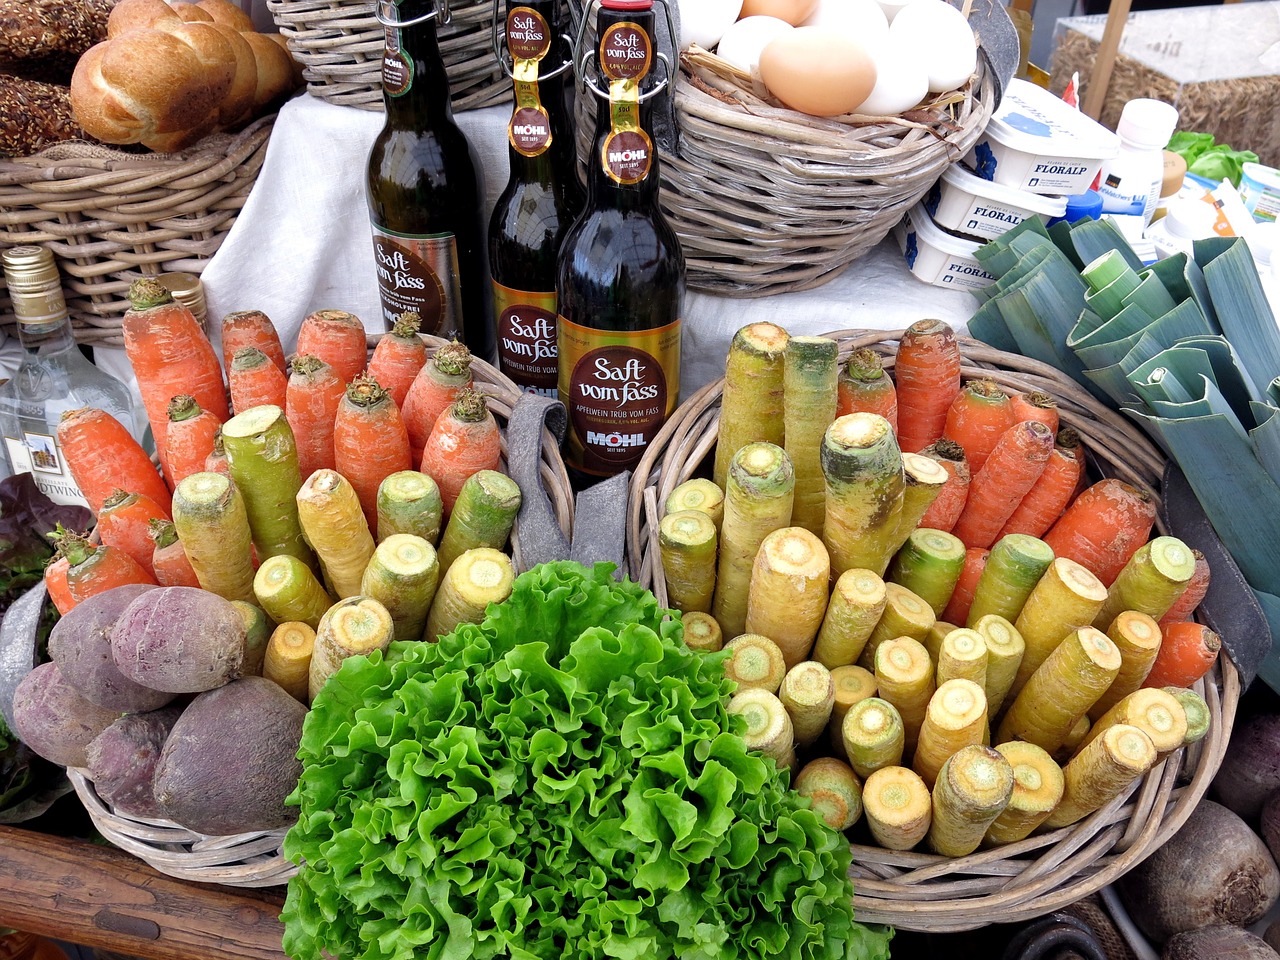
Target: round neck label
point(528, 34)
point(397, 69)
point(530, 130)
point(626, 52)
point(627, 156)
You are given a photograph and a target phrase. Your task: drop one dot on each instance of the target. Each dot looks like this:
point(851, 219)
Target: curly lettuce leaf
point(560, 780)
point(1213, 161)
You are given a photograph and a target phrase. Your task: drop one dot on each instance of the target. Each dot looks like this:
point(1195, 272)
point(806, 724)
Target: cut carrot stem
point(1037, 789)
point(864, 487)
point(698, 494)
point(403, 575)
point(962, 656)
point(287, 589)
point(1138, 638)
point(1104, 527)
point(810, 368)
point(257, 634)
point(856, 605)
point(809, 694)
point(334, 524)
point(476, 579)
point(1153, 579)
point(209, 515)
point(975, 561)
point(1197, 588)
point(484, 515)
point(924, 480)
point(288, 658)
point(768, 725)
point(254, 380)
point(337, 338)
point(851, 685)
point(927, 371)
point(701, 632)
point(1035, 405)
point(973, 789)
point(1014, 567)
point(445, 375)
point(833, 790)
point(1196, 711)
point(353, 627)
point(312, 397)
point(949, 504)
point(216, 462)
point(1155, 712)
point(976, 419)
point(1005, 648)
point(1101, 772)
point(1049, 497)
point(125, 523)
point(370, 443)
point(55, 581)
point(93, 570)
point(168, 558)
point(1063, 688)
point(872, 735)
point(787, 597)
point(904, 677)
point(188, 439)
point(464, 441)
point(758, 497)
point(753, 394)
point(905, 615)
point(1187, 651)
point(754, 662)
point(1068, 596)
point(399, 356)
point(687, 550)
point(864, 387)
point(103, 457)
point(929, 564)
point(1015, 464)
point(251, 328)
point(956, 718)
point(897, 807)
point(409, 502)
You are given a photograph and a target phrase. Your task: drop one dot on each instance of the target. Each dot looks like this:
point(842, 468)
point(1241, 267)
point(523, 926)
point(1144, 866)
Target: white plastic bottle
point(1130, 183)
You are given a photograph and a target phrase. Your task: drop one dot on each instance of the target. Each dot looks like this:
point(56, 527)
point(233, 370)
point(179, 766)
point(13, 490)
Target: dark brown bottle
point(621, 277)
point(541, 199)
point(424, 191)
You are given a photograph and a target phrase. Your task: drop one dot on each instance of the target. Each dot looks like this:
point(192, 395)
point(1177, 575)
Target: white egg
point(890, 8)
point(901, 80)
point(704, 21)
point(743, 41)
point(938, 35)
point(860, 20)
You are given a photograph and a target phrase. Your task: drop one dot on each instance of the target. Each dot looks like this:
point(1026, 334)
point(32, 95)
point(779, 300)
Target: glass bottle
point(424, 189)
point(541, 198)
point(621, 277)
point(53, 378)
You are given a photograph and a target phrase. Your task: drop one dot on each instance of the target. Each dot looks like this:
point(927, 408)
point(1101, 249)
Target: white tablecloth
point(302, 243)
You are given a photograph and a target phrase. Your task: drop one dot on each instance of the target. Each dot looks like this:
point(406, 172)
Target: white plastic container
point(1186, 222)
point(1260, 191)
point(1035, 142)
point(936, 256)
point(968, 204)
point(1131, 182)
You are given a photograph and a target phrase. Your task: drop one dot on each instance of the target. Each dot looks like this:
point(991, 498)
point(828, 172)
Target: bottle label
point(397, 68)
point(419, 273)
point(528, 35)
point(627, 156)
point(527, 338)
point(40, 455)
point(625, 57)
point(529, 40)
point(619, 387)
point(626, 52)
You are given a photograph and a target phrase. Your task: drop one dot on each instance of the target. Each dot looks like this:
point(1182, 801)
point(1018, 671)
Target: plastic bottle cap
point(1191, 219)
point(1147, 123)
point(1175, 171)
point(1081, 205)
point(627, 4)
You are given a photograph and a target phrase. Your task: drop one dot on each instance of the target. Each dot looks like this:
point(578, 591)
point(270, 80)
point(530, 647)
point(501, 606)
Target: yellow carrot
point(1073, 741)
point(1005, 648)
point(873, 736)
point(476, 579)
point(753, 388)
point(852, 685)
point(963, 655)
point(701, 632)
point(209, 515)
point(864, 485)
point(687, 550)
point(257, 629)
point(1014, 567)
point(1037, 789)
point(1068, 596)
point(1195, 709)
point(335, 526)
point(768, 725)
point(833, 790)
point(403, 575)
point(754, 662)
point(353, 627)
point(933, 639)
point(1150, 582)
point(923, 479)
point(1100, 773)
point(810, 368)
point(787, 597)
point(698, 494)
point(1155, 712)
point(905, 615)
point(288, 590)
point(973, 788)
point(856, 605)
point(956, 718)
point(809, 695)
point(288, 658)
point(1137, 637)
point(897, 806)
point(929, 565)
point(904, 677)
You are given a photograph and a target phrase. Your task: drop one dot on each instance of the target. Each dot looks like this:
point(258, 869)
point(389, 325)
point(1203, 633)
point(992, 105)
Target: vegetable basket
point(1047, 871)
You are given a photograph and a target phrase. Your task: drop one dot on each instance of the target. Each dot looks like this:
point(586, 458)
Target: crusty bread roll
point(238, 104)
point(191, 13)
point(279, 39)
point(276, 69)
point(228, 14)
point(135, 14)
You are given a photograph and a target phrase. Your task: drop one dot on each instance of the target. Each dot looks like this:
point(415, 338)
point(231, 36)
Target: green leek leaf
point(1229, 374)
point(988, 325)
point(1152, 295)
point(1242, 306)
point(1266, 438)
point(1108, 269)
point(1184, 280)
point(1060, 234)
point(1113, 379)
point(1093, 238)
point(1171, 374)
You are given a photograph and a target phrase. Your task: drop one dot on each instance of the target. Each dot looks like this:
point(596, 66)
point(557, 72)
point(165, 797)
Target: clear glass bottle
point(53, 378)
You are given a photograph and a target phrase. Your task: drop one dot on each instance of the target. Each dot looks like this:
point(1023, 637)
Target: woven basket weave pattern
point(1046, 872)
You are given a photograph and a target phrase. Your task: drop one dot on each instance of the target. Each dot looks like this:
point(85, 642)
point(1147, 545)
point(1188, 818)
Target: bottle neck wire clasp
point(385, 11)
point(585, 66)
point(498, 37)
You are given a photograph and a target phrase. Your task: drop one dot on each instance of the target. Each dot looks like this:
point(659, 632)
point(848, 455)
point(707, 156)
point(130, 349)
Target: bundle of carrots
point(913, 570)
point(351, 495)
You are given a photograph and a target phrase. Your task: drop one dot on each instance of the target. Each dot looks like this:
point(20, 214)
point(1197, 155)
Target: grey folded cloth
point(541, 540)
point(600, 524)
point(18, 645)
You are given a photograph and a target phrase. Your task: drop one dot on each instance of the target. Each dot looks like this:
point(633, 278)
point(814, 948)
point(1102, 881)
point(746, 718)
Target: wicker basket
point(111, 216)
point(768, 200)
point(923, 891)
point(339, 44)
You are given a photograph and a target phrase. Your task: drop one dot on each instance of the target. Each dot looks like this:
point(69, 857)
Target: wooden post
point(1100, 78)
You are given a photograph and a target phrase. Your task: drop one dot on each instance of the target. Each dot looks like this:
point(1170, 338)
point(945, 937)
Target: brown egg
point(817, 72)
point(795, 12)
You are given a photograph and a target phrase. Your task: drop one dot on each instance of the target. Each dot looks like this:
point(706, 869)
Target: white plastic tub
point(1035, 142)
point(970, 205)
point(1260, 191)
point(936, 256)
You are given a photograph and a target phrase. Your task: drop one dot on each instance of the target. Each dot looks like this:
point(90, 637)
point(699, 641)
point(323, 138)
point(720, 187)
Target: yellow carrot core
point(486, 573)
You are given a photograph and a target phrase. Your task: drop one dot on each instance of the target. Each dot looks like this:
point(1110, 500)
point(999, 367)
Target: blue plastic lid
point(1081, 205)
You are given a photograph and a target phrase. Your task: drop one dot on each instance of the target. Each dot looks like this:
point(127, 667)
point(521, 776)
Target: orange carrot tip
point(251, 328)
point(464, 441)
point(434, 388)
point(255, 381)
point(102, 455)
point(1016, 463)
point(927, 371)
point(1035, 405)
point(864, 387)
point(336, 337)
point(1049, 497)
point(1187, 651)
point(370, 442)
point(188, 440)
point(976, 419)
point(399, 356)
point(949, 504)
point(1104, 526)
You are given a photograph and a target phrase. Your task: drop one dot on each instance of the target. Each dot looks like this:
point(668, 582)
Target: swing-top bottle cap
point(627, 4)
point(35, 286)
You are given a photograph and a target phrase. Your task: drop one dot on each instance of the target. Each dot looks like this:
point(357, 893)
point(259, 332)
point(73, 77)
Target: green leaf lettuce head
point(560, 780)
point(1213, 161)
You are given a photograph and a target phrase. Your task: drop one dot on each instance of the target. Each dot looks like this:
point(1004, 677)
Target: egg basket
point(1047, 871)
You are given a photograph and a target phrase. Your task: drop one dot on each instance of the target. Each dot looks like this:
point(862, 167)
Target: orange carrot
point(55, 573)
point(170, 355)
point(399, 356)
point(976, 419)
point(1104, 527)
point(975, 561)
point(436, 386)
point(864, 387)
point(369, 441)
point(216, 461)
point(169, 560)
point(93, 570)
point(927, 371)
point(946, 509)
point(312, 399)
point(189, 439)
point(464, 441)
point(1009, 474)
point(102, 455)
point(337, 338)
point(1045, 502)
point(125, 522)
point(255, 381)
point(1187, 651)
point(1197, 587)
point(1035, 405)
point(251, 328)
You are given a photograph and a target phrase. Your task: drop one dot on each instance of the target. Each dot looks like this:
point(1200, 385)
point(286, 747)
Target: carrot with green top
point(216, 461)
point(753, 394)
point(754, 662)
point(768, 725)
point(905, 615)
point(370, 442)
point(337, 338)
point(409, 502)
point(476, 579)
point(1151, 582)
point(857, 602)
point(125, 523)
point(897, 806)
point(169, 560)
point(484, 515)
point(864, 488)
point(977, 418)
point(445, 375)
point(55, 578)
point(955, 718)
point(1101, 772)
point(833, 791)
point(212, 523)
point(188, 440)
point(949, 503)
point(962, 655)
point(929, 564)
point(973, 789)
point(1014, 567)
point(957, 609)
point(809, 371)
point(1010, 472)
point(809, 694)
point(312, 397)
point(758, 497)
point(687, 551)
point(251, 328)
point(698, 494)
point(399, 356)
point(1035, 405)
point(1005, 649)
point(1187, 651)
point(288, 658)
point(787, 595)
point(905, 678)
point(864, 387)
point(96, 568)
point(103, 457)
point(927, 371)
point(287, 589)
point(353, 627)
point(254, 380)
point(1197, 588)
point(334, 524)
point(464, 441)
point(1037, 789)
point(403, 575)
point(872, 735)
point(1066, 597)
point(1051, 494)
point(1104, 526)
point(701, 632)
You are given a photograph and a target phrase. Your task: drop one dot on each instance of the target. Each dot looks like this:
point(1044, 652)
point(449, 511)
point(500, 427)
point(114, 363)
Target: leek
point(1243, 309)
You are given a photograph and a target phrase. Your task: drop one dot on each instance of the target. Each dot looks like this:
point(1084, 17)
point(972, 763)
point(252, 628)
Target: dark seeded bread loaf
point(33, 115)
point(42, 28)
